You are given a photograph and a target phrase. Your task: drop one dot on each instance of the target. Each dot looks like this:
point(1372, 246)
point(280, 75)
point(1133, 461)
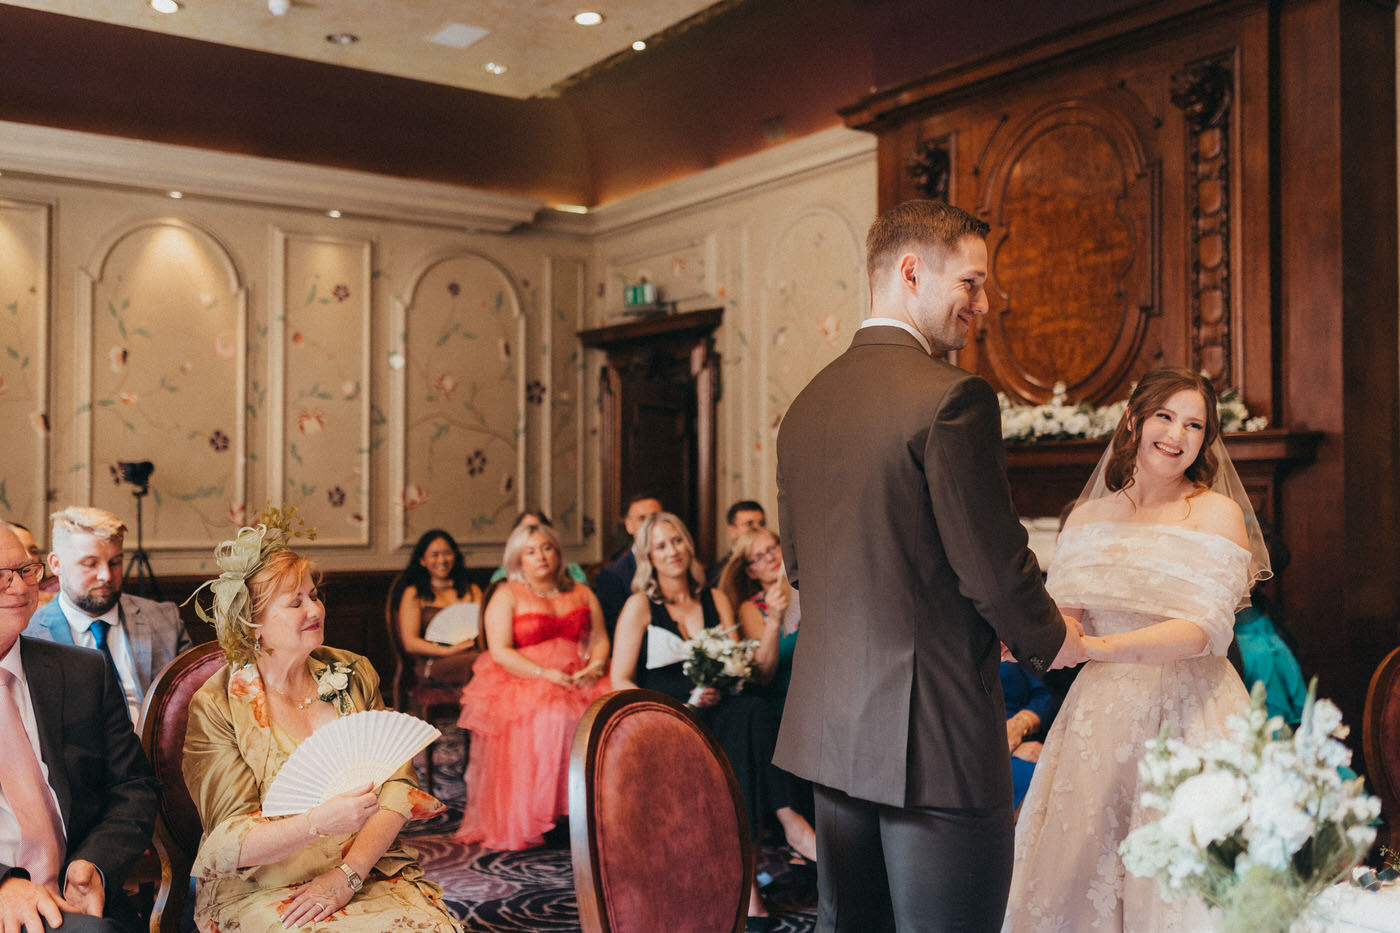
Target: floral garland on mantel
point(1059, 420)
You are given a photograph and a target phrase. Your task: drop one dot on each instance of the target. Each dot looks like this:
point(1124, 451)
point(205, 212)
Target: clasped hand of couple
point(1073, 651)
point(330, 890)
point(24, 904)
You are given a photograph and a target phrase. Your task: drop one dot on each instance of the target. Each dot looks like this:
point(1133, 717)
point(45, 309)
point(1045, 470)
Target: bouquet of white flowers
point(1258, 823)
point(716, 660)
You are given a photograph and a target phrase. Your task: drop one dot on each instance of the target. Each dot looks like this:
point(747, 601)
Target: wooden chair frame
point(1383, 691)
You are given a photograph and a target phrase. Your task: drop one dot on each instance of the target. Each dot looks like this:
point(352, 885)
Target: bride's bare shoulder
point(1220, 515)
point(1095, 510)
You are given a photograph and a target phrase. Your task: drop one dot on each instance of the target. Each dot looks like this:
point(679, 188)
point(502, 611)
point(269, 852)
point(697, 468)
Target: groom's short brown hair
point(918, 223)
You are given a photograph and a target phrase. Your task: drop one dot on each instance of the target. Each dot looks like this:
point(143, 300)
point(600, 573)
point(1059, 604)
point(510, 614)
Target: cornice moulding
point(67, 155)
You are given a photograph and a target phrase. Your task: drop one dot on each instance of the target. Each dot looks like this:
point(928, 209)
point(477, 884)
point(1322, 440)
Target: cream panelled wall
point(382, 371)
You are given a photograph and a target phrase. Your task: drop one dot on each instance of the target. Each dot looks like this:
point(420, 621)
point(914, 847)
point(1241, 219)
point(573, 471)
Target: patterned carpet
point(533, 891)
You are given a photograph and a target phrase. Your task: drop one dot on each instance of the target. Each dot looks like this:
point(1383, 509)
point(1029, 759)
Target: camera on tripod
point(136, 473)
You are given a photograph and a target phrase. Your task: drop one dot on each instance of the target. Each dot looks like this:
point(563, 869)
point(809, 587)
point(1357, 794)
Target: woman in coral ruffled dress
point(546, 653)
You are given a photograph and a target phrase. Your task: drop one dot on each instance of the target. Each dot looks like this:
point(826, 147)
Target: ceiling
point(537, 41)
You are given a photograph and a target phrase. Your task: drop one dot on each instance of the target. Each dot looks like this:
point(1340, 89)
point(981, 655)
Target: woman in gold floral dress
point(339, 865)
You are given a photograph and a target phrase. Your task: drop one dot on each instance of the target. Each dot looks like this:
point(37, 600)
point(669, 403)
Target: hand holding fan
point(344, 754)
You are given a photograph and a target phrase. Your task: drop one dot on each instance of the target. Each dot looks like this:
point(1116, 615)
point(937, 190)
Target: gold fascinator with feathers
point(230, 608)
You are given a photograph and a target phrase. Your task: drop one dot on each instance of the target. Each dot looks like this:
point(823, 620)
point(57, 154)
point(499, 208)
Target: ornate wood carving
point(1072, 203)
point(930, 168)
point(1204, 91)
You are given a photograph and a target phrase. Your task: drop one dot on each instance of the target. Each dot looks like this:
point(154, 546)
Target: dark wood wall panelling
point(1208, 183)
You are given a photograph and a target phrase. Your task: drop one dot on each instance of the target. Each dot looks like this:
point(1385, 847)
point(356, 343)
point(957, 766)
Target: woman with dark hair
point(1156, 557)
point(434, 579)
point(670, 603)
point(545, 661)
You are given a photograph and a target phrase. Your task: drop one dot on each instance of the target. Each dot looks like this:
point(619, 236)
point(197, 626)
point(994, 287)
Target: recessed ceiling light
point(177, 195)
point(342, 38)
point(496, 68)
point(164, 6)
point(333, 214)
point(588, 18)
point(638, 46)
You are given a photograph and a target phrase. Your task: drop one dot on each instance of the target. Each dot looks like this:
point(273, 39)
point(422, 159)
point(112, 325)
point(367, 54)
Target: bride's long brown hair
point(1151, 393)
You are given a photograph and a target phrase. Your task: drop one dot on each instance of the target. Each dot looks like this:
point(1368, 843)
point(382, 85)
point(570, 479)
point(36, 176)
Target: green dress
point(232, 754)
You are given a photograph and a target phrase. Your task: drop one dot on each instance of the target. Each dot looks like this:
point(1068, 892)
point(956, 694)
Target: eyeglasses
point(29, 573)
point(766, 554)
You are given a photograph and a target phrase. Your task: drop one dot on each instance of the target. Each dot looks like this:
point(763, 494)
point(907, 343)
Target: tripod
point(140, 565)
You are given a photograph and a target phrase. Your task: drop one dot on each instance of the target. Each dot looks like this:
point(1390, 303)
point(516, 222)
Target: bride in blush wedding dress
point(1154, 561)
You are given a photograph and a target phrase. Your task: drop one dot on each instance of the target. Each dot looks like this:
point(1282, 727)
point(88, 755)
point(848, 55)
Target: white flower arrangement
point(1259, 822)
point(1059, 420)
point(333, 684)
point(716, 660)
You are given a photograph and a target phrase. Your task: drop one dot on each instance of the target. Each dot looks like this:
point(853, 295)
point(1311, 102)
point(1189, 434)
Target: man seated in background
point(744, 515)
point(613, 584)
point(139, 636)
point(77, 797)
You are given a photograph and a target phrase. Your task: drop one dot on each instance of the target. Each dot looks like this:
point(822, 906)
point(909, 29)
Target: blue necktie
point(99, 629)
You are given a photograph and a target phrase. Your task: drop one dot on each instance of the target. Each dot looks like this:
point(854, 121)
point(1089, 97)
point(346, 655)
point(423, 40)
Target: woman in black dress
point(669, 604)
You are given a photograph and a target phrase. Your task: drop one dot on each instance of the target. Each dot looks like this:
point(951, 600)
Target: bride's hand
point(344, 813)
point(318, 899)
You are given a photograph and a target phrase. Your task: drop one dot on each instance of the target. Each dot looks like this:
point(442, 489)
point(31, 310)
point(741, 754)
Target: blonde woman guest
point(546, 657)
point(434, 579)
point(669, 604)
point(769, 612)
point(338, 865)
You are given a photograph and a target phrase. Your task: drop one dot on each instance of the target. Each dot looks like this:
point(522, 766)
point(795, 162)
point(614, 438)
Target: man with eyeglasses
point(77, 797)
point(139, 635)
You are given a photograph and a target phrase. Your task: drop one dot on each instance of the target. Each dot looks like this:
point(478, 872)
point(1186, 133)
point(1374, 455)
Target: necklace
point(546, 595)
point(302, 704)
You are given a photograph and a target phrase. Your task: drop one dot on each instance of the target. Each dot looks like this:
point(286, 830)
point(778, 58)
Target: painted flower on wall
point(340, 292)
point(311, 420)
point(218, 440)
point(534, 392)
point(40, 423)
point(298, 339)
point(350, 390)
point(507, 484)
point(336, 496)
point(454, 289)
point(127, 398)
point(224, 346)
point(476, 463)
point(355, 520)
point(237, 514)
point(117, 357)
point(446, 385)
point(830, 328)
point(413, 496)
point(503, 349)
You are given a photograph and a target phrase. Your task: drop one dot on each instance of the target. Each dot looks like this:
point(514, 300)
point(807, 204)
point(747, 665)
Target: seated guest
point(744, 515)
point(140, 636)
point(48, 583)
point(536, 517)
point(754, 580)
point(77, 799)
point(671, 604)
point(546, 653)
point(433, 580)
point(339, 859)
point(1029, 708)
point(613, 584)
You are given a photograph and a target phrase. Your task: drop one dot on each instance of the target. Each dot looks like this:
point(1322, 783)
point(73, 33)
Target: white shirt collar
point(903, 325)
point(11, 662)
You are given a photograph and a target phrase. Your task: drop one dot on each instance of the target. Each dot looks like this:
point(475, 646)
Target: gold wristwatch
point(356, 882)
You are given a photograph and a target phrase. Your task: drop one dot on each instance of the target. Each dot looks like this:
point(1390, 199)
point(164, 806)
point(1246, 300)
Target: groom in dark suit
point(77, 798)
point(899, 532)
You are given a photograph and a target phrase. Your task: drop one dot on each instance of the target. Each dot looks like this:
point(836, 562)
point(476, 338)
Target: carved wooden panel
point(1071, 200)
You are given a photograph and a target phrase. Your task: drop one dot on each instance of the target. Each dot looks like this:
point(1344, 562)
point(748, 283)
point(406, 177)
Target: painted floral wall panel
point(812, 303)
point(566, 391)
point(167, 376)
point(324, 336)
point(24, 277)
point(683, 272)
point(464, 393)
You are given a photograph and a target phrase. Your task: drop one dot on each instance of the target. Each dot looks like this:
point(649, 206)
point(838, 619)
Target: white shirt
point(9, 827)
point(80, 625)
point(902, 325)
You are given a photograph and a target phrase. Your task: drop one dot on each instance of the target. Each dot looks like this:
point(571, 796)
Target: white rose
point(336, 681)
point(1208, 807)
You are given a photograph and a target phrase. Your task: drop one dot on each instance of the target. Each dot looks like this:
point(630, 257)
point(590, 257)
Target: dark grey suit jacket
point(154, 631)
point(105, 788)
point(899, 532)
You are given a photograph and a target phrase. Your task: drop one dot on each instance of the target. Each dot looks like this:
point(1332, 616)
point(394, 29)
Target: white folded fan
point(458, 622)
point(344, 754)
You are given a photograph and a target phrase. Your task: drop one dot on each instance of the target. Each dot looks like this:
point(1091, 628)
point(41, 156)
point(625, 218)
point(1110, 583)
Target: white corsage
point(333, 684)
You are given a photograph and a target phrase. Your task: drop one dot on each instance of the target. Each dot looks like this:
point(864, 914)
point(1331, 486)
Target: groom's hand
point(1072, 651)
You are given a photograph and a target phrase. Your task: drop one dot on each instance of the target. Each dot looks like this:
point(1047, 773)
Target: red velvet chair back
point(1380, 735)
point(659, 836)
point(178, 830)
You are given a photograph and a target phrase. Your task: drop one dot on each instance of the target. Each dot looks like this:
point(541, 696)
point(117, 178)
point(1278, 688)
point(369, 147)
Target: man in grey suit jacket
point(75, 724)
point(141, 635)
point(900, 534)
